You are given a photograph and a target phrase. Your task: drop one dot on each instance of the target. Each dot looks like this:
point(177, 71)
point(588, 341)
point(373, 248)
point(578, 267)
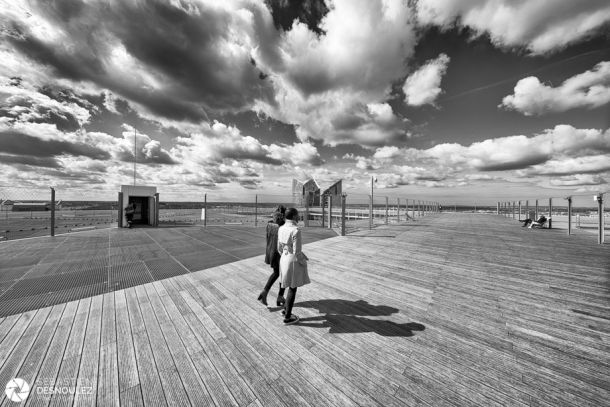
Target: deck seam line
point(168, 253)
point(212, 246)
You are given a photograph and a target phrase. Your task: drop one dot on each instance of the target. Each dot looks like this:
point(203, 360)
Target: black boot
point(263, 297)
point(288, 317)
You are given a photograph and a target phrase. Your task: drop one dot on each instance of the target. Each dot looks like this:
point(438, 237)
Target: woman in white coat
point(293, 263)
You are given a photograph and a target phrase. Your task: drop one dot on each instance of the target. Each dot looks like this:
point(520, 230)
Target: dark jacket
point(272, 256)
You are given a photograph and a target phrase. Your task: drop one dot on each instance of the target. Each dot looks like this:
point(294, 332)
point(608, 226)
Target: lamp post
point(373, 180)
point(600, 216)
point(135, 156)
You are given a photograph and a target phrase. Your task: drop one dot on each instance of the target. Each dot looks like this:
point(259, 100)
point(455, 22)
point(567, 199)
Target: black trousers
point(292, 294)
point(274, 276)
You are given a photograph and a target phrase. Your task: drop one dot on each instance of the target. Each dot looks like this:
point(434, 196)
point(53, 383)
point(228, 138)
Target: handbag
point(302, 259)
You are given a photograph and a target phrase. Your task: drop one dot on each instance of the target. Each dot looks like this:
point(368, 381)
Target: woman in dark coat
point(272, 256)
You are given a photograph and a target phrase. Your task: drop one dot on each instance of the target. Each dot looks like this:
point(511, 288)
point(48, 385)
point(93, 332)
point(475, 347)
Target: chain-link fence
point(30, 212)
point(78, 210)
point(579, 213)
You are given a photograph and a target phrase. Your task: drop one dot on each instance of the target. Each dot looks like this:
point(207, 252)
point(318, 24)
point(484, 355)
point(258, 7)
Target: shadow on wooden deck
point(344, 316)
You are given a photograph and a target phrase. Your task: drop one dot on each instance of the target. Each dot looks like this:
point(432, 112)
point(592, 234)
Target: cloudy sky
point(439, 99)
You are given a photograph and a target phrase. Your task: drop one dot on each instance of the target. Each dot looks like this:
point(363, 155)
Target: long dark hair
point(278, 218)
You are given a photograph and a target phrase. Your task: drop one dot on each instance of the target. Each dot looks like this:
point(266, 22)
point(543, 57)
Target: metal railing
point(577, 213)
point(32, 212)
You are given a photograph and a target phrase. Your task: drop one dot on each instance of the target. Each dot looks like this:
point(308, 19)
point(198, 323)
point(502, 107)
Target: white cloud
point(479, 177)
point(562, 150)
point(296, 154)
point(517, 152)
point(410, 175)
point(387, 152)
point(210, 44)
point(537, 25)
point(23, 103)
point(218, 154)
point(570, 166)
point(332, 86)
point(219, 142)
point(590, 89)
point(381, 112)
point(424, 85)
point(362, 162)
point(578, 180)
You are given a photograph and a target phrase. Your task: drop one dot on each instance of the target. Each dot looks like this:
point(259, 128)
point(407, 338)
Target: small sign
point(203, 214)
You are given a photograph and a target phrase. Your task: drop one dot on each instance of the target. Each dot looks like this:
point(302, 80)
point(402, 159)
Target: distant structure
point(317, 194)
point(22, 206)
point(303, 191)
point(146, 201)
point(30, 206)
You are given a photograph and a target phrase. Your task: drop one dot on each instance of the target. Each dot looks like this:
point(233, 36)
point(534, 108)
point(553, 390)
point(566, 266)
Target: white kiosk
point(146, 200)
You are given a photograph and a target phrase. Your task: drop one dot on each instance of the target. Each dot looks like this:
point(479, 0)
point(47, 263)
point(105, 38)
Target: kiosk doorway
point(140, 216)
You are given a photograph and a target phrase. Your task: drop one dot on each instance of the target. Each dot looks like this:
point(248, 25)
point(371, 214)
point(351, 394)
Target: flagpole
point(135, 158)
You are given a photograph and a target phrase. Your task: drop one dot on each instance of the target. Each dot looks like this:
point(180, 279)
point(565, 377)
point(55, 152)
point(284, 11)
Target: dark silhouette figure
point(272, 256)
point(130, 210)
point(344, 316)
point(529, 222)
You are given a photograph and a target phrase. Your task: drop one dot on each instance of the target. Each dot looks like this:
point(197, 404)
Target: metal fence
point(581, 213)
point(31, 212)
point(356, 209)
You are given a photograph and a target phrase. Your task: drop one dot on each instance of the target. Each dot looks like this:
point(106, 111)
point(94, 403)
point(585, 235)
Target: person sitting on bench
point(529, 222)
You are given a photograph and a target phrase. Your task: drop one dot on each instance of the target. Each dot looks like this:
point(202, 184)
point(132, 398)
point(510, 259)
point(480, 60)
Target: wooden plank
point(273, 360)
point(210, 377)
point(262, 385)
point(107, 386)
point(14, 334)
point(132, 397)
point(35, 355)
point(88, 369)
point(173, 388)
point(108, 376)
point(225, 370)
point(486, 366)
point(6, 326)
point(307, 365)
point(150, 383)
point(47, 375)
point(127, 365)
point(266, 353)
point(28, 332)
point(364, 345)
point(70, 363)
point(197, 392)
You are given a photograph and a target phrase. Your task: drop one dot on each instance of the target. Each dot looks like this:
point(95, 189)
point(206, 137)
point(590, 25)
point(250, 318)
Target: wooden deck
point(457, 310)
